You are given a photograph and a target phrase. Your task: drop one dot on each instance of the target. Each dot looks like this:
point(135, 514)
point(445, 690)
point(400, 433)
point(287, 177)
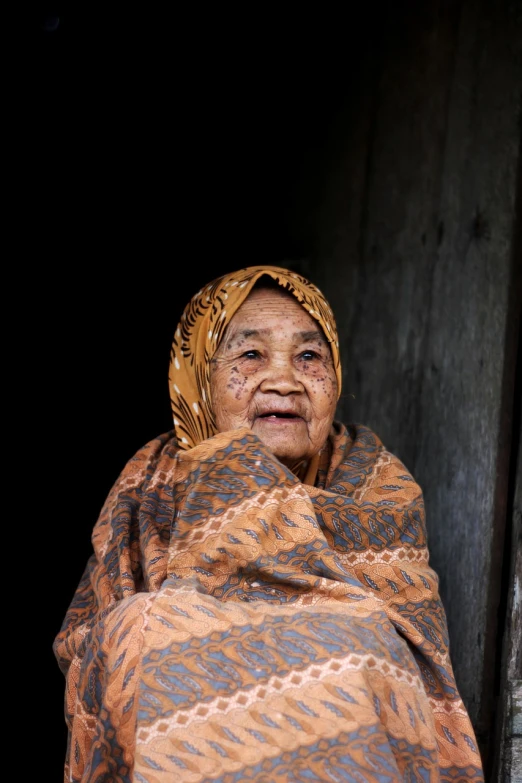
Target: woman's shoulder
point(354, 444)
point(362, 460)
point(165, 443)
point(155, 454)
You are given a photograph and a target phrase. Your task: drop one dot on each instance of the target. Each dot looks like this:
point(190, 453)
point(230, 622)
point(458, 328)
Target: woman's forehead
point(267, 310)
point(272, 303)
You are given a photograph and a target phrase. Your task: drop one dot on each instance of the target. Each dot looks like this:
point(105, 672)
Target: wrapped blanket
point(235, 624)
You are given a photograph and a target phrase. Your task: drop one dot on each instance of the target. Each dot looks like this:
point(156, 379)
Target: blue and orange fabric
point(235, 623)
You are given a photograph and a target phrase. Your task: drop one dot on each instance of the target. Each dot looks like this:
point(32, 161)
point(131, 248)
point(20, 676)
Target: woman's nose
point(281, 377)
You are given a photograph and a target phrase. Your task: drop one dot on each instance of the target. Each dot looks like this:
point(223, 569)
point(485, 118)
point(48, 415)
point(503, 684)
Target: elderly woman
point(259, 604)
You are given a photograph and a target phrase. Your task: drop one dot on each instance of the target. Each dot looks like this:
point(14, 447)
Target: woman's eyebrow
point(307, 336)
point(315, 334)
point(252, 332)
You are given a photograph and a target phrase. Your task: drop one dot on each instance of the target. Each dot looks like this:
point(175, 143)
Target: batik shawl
point(235, 624)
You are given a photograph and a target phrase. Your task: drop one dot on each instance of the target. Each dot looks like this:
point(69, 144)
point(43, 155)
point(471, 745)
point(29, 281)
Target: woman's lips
point(280, 419)
point(279, 416)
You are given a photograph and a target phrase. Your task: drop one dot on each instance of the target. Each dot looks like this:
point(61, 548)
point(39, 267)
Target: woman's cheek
point(323, 383)
point(237, 384)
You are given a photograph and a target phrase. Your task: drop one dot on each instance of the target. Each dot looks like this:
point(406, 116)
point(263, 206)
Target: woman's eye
point(253, 354)
point(308, 356)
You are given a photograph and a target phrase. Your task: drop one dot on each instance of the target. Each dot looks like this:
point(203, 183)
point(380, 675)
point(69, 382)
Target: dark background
point(167, 148)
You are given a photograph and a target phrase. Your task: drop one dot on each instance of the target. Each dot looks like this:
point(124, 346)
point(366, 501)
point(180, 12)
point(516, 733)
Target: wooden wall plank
point(510, 770)
point(464, 453)
point(507, 766)
point(414, 253)
point(515, 771)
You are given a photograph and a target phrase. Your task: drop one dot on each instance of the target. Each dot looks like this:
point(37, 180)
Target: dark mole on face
point(238, 384)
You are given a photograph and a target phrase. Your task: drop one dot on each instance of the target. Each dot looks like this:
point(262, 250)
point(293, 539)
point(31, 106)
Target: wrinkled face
point(273, 372)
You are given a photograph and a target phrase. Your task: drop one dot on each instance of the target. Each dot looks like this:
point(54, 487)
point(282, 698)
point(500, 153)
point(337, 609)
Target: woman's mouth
point(279, 418)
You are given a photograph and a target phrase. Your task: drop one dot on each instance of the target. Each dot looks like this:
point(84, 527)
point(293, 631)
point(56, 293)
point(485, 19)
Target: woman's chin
point(286, 448)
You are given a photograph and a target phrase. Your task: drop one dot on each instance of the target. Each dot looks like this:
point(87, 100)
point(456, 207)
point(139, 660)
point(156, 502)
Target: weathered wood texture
point(508, 757)
point(413, 247)
point(511, 767)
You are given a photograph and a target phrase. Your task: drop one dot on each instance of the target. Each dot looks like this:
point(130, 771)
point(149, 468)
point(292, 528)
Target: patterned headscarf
point(199, 334)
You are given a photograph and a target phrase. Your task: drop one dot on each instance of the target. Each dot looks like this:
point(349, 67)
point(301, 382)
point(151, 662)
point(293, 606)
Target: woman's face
point(273, 372)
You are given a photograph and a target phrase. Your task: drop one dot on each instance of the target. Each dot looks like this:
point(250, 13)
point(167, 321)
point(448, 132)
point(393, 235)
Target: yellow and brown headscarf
point(201, 329)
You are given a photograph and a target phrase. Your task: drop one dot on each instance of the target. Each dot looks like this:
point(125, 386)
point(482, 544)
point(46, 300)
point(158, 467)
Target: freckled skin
point(274, 358)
